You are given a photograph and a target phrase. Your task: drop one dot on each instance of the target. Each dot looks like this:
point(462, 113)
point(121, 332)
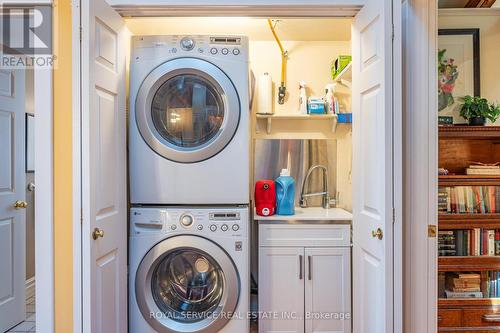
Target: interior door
point(12, 194)
point(104, 179)
point(372, 54)
point(328, 290)
point(281, 289)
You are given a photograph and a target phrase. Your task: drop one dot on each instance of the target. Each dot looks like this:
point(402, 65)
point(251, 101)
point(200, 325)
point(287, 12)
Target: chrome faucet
point(325, 193)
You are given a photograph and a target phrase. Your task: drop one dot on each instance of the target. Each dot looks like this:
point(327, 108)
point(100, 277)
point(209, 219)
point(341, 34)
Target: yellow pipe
point(283, 53)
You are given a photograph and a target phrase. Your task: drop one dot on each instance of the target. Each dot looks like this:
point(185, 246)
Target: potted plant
point(477, 109)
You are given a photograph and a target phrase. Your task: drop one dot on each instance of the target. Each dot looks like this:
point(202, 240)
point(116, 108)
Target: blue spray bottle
point(285, 193)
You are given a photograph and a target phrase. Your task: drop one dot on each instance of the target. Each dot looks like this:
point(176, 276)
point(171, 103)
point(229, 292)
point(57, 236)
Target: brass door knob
point(97, 233)
point(19, 204)
point(379, 233)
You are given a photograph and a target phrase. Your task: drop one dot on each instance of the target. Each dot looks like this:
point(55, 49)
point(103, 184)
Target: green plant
point(478, 107)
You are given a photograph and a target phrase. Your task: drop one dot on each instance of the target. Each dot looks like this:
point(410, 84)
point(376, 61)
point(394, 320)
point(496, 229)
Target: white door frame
point(419, 152)
point(420, 164)
point(44, 194)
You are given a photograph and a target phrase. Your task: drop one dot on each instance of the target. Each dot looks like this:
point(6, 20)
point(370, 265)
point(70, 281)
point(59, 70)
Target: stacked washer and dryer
point(189, 252)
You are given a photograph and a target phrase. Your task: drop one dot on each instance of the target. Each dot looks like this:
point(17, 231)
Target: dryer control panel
point(222, 47)
point(210, 221)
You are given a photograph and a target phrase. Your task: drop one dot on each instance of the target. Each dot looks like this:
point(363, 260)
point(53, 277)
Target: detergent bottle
point(285, 193)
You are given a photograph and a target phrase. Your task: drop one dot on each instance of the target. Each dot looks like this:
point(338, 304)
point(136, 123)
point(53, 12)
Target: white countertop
point(310, 214)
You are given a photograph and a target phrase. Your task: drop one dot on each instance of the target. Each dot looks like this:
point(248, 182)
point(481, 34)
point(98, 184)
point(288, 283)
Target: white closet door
point(372, 106)
point(12, 182)
point(328, 290)
point(281, 289)
point(104, 173)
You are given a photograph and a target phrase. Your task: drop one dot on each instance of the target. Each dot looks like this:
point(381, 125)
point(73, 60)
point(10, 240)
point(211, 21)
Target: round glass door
point(182, 288)
point(187, 281)
point(187, 110)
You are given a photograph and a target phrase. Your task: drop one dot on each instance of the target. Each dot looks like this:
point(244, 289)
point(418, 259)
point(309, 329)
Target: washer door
point(187, 284)
point(187, 110)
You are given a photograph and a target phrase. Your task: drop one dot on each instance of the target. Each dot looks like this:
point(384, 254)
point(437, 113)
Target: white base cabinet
point(304, 288)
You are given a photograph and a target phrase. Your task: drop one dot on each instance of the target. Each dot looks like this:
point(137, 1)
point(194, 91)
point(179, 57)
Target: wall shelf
point(269, 119)
point(468, 302)
point(469, 180)
point(345, 76)
point(468, 221)
point(469, 263)
point(469, 132)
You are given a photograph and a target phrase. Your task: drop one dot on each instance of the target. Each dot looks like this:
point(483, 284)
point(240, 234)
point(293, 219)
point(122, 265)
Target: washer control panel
point(223, 222)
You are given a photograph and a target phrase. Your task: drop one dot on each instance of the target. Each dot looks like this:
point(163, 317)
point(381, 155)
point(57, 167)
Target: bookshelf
point(458, 146)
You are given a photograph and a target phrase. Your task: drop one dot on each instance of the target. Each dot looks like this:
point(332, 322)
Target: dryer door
point(187, 110)
point(187, 284)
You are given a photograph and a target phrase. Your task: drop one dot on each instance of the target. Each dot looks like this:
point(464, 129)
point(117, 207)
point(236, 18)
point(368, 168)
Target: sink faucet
point(325, 193)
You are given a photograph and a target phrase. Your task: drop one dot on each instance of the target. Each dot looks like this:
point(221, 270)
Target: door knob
point(97, 233)
point(378, 233)
point(19, 204)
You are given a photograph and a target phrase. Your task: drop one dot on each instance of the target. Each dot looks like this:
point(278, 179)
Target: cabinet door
point(281, 289)
point(328, 290)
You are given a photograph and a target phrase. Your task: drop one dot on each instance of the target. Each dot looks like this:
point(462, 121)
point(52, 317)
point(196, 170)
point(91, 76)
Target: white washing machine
point(189, 270)
point(189, 120)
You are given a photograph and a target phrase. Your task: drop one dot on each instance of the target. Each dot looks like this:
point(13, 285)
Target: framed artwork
point(30, 142)
point(458, 71)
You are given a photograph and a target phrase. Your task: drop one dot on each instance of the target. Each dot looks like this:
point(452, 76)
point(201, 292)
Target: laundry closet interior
point(242, 163)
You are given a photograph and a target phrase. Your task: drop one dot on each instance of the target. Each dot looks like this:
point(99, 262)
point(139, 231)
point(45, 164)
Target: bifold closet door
point(104, 173)
point(281, 289)
point(328, 290)
point(373, 133)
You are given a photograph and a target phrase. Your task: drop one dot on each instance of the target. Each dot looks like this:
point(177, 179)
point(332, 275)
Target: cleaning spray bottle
point(329, 98)
point(302, 98)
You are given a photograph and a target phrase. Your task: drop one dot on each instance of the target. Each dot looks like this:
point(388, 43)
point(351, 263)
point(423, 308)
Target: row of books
point(469, 284)
point(469, 199)
point(473, 242)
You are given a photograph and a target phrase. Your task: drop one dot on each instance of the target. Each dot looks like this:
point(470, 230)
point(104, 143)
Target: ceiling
point(297, 29)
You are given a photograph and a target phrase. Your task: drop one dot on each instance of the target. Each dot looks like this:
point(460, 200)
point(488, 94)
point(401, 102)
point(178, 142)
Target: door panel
point(328, 290)
point(281, 289)
point(12, 180)
point(104, 169)
point(372, 168)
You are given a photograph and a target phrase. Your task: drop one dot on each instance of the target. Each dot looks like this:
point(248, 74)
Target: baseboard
point(30, 287)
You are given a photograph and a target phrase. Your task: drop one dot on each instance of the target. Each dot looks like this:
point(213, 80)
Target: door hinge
point(393, 215)
point(392, 32)
point(431, 231)
point(80, 31)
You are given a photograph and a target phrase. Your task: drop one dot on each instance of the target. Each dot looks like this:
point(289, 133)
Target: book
point(491, 243)
point(482, 171)
point(453, 294)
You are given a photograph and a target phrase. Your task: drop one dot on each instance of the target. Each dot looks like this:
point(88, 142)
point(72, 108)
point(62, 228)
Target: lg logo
point(26, 30)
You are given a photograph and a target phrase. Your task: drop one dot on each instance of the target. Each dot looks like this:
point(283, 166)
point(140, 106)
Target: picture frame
point(30, 143)
point(458, 71)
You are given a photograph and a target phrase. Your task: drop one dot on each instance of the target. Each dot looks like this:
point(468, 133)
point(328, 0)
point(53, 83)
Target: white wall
point(312, 45)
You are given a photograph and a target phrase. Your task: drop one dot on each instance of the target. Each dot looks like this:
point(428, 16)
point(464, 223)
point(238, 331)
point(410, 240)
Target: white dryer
point(189, 270)
point(189, 120)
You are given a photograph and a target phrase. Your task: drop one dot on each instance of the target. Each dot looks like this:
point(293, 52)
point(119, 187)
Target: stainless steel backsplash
point(273, 155)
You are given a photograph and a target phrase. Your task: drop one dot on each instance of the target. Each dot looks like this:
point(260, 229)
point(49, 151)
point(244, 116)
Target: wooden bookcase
point(458, 146)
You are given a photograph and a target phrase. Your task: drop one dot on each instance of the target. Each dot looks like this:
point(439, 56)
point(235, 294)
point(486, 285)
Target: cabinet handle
point(309, 264)
point(491, 318)
point(300, 267)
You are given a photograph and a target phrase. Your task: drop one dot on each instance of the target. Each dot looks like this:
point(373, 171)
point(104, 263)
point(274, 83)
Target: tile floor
point(29, 324)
